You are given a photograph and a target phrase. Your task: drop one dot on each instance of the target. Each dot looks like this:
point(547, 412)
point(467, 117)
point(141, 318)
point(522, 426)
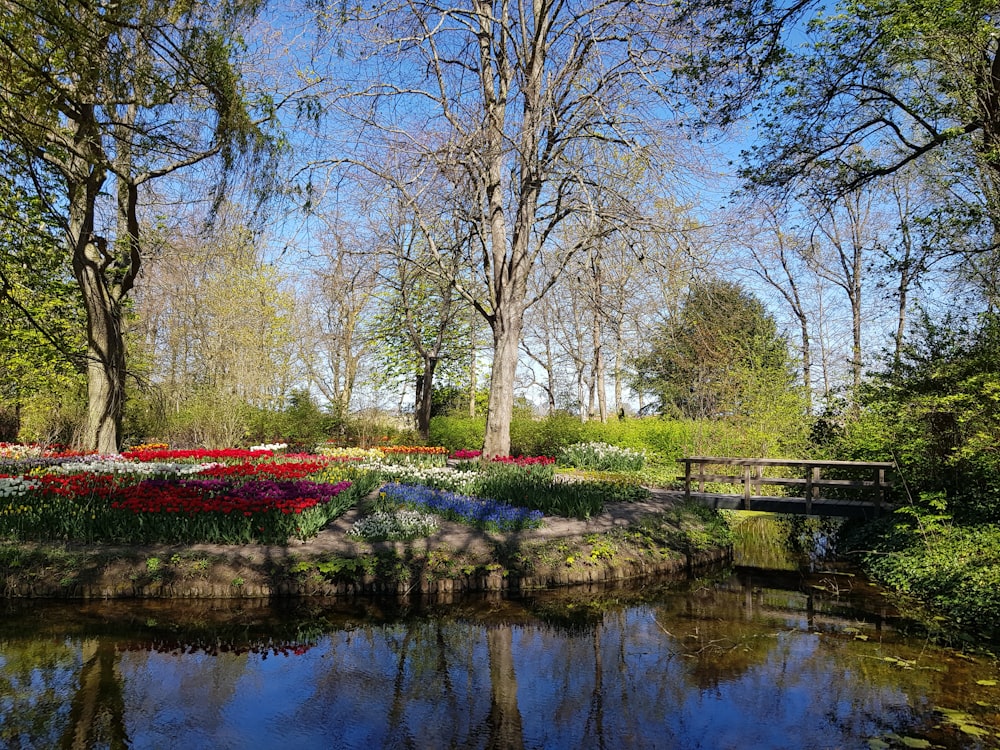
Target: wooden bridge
point(856, 489)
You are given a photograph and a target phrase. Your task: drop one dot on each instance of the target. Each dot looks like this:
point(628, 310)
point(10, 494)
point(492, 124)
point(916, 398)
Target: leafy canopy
point(720, 355)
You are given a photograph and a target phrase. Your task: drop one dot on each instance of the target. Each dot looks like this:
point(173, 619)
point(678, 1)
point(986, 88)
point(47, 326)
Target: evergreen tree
point(721, 355)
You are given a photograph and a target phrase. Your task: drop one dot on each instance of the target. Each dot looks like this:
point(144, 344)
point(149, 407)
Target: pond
point(741, 658)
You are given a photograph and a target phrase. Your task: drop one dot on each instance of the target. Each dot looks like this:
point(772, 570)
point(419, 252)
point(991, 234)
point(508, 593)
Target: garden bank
point(657, 537)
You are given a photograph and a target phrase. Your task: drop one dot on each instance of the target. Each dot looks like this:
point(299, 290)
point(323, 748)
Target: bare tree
point(778, 258)
point(340, 294)
point(513, 103)
point(847, 237)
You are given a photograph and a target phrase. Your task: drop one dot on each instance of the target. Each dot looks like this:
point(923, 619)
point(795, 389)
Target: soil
point(629, 540)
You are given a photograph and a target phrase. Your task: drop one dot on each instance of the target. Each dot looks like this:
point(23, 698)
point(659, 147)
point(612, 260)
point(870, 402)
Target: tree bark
point(499, 411)
point(424, 399)
point(95, 269)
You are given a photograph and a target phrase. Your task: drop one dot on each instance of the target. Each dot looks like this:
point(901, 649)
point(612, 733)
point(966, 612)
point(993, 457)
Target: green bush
point(663, 440)
point(955, 570)
point(544, 437)
point(457, 433)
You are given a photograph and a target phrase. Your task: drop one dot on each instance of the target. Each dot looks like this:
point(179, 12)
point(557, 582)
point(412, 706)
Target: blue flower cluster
point(479, 512)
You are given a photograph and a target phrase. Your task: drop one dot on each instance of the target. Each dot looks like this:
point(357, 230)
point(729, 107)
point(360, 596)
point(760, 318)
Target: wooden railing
point(806, 474)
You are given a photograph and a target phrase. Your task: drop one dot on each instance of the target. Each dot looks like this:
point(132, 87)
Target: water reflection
point(744, 661)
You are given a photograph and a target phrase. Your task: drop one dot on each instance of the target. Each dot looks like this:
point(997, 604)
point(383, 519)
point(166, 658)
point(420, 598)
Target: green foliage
point(52, 416)
point(687, 528)
point(452, 399)
point(877, 84)
point(374, 428)
point(938, 414)
point(955, 570)
point(663, 440)
point(42, 319)
point(420, 328)
point(720, 356)
point(301, 424)
point(215, 418)
point(209, 418)
point(458, 433)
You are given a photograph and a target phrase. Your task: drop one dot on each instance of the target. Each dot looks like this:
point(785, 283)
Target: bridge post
point(747, 485)
point(812, 488)
point(808, 491)
point(687, 480)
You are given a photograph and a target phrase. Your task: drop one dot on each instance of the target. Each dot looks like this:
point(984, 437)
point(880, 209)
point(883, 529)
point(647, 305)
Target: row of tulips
point(252, 498)
point(154, 494)
point(239, 503)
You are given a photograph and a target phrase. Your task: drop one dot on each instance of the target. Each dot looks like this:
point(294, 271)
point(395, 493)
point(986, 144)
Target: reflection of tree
point(595, 716)
point(724, 633)
point(727, 665)
point(397, 710)
point(505, 717)
point(97, 708)
point(34, 675)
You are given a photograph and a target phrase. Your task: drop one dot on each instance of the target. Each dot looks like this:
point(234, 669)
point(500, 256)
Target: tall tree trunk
point(806, 360)
point(105, 365)
point(506, 342)
point(91, 259)
point(105, 273)
point(599, 369)
point(425, 397)
point(618, 374)
point(472, 369)
point(550, 376)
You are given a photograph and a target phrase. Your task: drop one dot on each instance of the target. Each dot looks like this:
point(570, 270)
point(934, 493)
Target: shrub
point(457, 433)
point(545, 437)
point(956, 570)
point(663, 440)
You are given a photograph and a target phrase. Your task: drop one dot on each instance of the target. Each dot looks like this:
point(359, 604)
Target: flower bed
point(415, 454)
point(154, 494)
point(598, 456)
point(397, 525)
point(196, 454)
point(482, 513)
point(117, 499)
point(219, 510)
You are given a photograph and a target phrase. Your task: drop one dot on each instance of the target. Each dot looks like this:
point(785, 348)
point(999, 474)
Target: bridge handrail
point(787, 462)
point(752, 476)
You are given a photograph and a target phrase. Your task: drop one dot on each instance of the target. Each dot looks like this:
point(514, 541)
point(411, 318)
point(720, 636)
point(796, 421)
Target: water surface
point(740, 660)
